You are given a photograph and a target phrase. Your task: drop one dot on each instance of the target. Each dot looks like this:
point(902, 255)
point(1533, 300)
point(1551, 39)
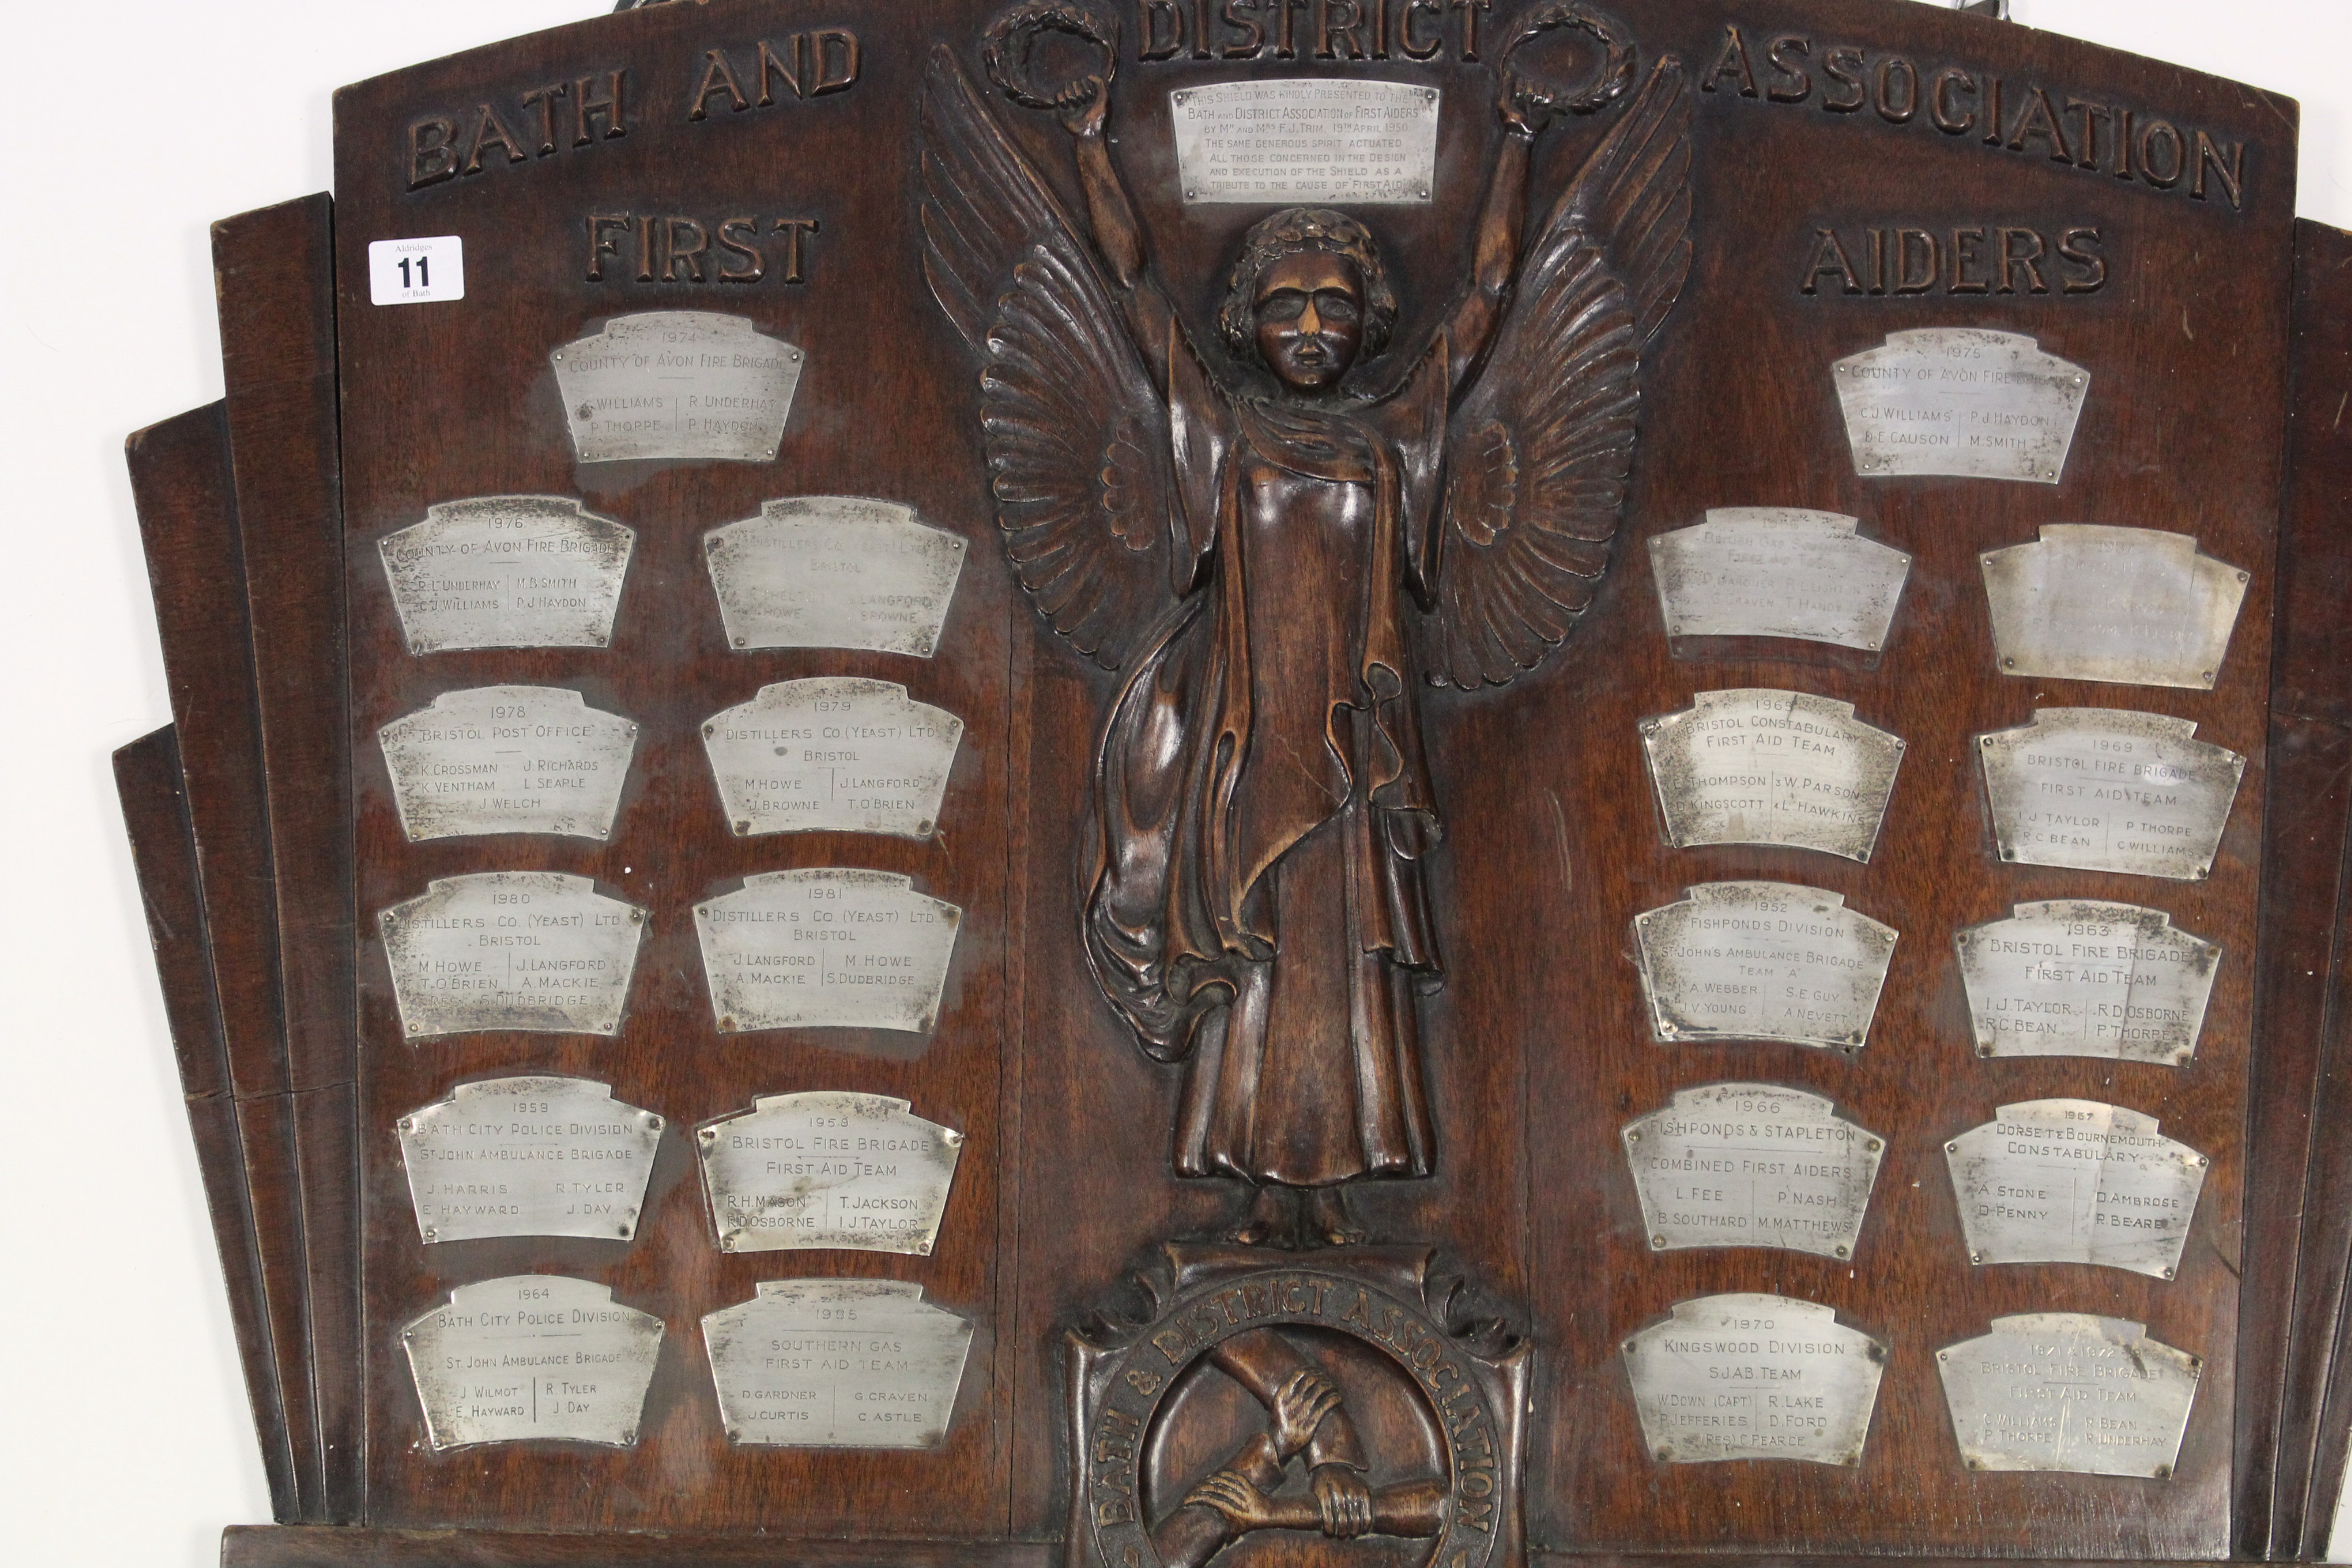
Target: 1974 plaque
point(528, 1156)
point(2075, 1181)
point(2081, 977)
point(834, 571)
point(507, 572)
point(1762, 961)
point(827, 1169)
point(1764, 766)
point(827, 948)
point(2104, 789)
point(691, 385)
point(1777, 572)
point(2133, 606)
point(532, 1357)
point(2069, 1392)
point(539, 951)
point(507, 759)
point(1752, 1164)
point(1752, 1376)
point(837, 1364)
point(851, 755)
point(1960, 402)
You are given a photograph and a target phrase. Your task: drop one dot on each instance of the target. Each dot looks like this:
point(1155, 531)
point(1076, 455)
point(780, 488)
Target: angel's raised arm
point(1502, 219)
point(1118, 236)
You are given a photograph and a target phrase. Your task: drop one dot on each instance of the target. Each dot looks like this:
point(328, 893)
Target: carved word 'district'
point(1310, 29)
point(657, 248)
point(1975, 259)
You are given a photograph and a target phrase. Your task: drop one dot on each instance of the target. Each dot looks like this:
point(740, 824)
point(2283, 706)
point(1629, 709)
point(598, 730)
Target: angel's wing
point(1078, 449)
point(1539, 451)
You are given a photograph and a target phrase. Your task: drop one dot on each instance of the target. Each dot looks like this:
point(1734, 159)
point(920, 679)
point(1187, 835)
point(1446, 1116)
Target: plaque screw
point(710, 729)
point(742, 827)
point(2049, 473)
point(727, 1023)
point(1975, 1463)
point(1951, 1148)
point(925, 1249)
point(2008, 664)
point(1984, 1050)
point(432, 1234)
point(587, 411)
point(1840, 1252)
point(1872, 1145)
point(1633, 1137)
point(2168, 1274)
point(1943, 1356)
point(1658, 1243)
point(742, 642)
point(2161, 1473)
point(1429, 95)
point(636, 917)
point(1423, 197)
point(708, 1133)
point(1666, 1455)
point(408, 1124)
point(630, 1437)
point(1975, 1257)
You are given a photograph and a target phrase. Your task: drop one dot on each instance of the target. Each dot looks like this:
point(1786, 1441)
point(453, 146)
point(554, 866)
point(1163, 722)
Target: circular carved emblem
point(1527, 90)
point(1012, 47)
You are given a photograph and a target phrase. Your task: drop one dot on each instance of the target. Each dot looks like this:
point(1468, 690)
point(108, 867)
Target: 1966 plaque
point(532, 1357)
point(1777, 572)
point(538, 951)
point(1762, 766)
point(837, 1364)
point(677, 385)
point(1752, 1376)
point(2102, 789)
point(2133, 605)
point(1762, 961)
point(2075, 1181)
point(834, 571)
point(2084, 978)
point(855, 756)
point(826, 949)
point(1961, 402)
point(528, 1156)
point(1752, 1164)
point(507, 572)
point(825, 1169)
point(2069, 1391)
point(507, 759)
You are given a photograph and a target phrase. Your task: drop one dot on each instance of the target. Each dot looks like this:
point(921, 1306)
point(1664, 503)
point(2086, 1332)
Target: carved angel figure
point(1246, 530)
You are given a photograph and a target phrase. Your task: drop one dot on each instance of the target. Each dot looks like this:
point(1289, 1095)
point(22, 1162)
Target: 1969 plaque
point(834, 571)
point(532, 1357)
point(2075, 1181)
point(1754, 1376)
point(1963, 402)
point(507, 572)
point(2069, 1391)
point(677, 385)
point(826, 949)
point(837, 1364)
point(1761, 766)
point(528, 1156)
point(825, 1168)
point(1762, 961)
point(507, 759)
point(538, 951)
point(2102, 789)
point(1752, 1164)
point(1777, 572)
point(2133, 605)
point(2080, 977)
point(852, 755)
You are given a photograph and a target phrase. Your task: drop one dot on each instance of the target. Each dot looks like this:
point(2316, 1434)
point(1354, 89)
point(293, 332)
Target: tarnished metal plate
point(855, 756)
point(2075, 1181)
point(825, 1169)
point(1777, 572)
point(507, 572)
point(1311, 140)
point(837, 1364)
point(528, 1156)
point(532, 1357)
point(2069, 1392)
point(1754, 1377)
point(2080, 977)
point(1961, 402)
point(2133, 606)
point(826, 949)
point(507, 759)
point(690, 385)
point(834, 571)
point(1763, 766)
point(2104, 789)
point(537, 950)
point(1762, 961)
point(1752, 1164)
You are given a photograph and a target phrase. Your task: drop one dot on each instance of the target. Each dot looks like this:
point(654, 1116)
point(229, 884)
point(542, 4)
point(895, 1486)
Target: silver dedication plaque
point(1960, 402)
point(1777, 572)
point(834, 571)
point(1306, 140)
point(1752, 1164)
point(2133, 606)
point(827, 1170)
point(835, 752)
point(690, 385)
point(1754, 1377)
point(2104, 789)
point(507, 759)
point(1764, 766)
point(1762, 961)
point(826, 949)
point(507, 572)
point(528, 1156)
point(2075, 1181)
point(532, 1357)
point(2080, 977)
point(837, 1364)
point(2069, 1392)
point(535, 951)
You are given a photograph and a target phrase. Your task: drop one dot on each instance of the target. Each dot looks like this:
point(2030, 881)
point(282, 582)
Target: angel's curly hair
point(1290, 232)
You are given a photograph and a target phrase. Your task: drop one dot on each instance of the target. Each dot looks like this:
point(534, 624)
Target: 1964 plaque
point(532, 1357)
point(1961, 402)
point(827, 948)
point(691, 385)
point(855, 756)
point(1752, 1376)
point(537, 950)
point(2086, 978)
point(2102, 789)
point(1777, 572)
point(2069, 1392)
point(507, 572)
point(528, 1156)
point(1752, 1164)
point(1762, 961)
point(507, 759)
point(834, 571)
point(1764, 766)
point(826, 1169)
point(1310, 140)
point(2075, 1181)
point(837, 1364)
point(2133, 606)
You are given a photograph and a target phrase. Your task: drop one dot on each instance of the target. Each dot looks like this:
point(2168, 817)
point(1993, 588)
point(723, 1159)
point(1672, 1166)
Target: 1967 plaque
point(2102, 789)
point(837, 1364)
point(1763, 766)
point(2075, 1181)
point(2133, 606)
point(1752, 1376)
point(1777, 572)
point(827, 948)
point(2080, 977)
point(1752, 1164)
point(532, 1357)
point(856, 756)
point(539, 951)
point(677, 385)
point(1762, 961)
point(528, 1156)
point(507, 572)
point(834, 571)
point(507, 759)
point(2070, 1392)
point(827, 1169)
point(1962, 402)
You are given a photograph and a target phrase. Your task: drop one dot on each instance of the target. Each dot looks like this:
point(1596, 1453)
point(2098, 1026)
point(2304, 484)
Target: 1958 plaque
point(826, 949)
point(532, 1357)
point(2102, 789)
point(852, 755)
point(1753, 1376)
point(2133, 605)
point(1777, 572)
point(1752, 1164)
point(2069, 1391)
point(1762, 961)
point(507, 759)
point(826, 1169)
point(1962, 402)
point(1762, 766)
point(1316, 141)
point(2080, 977)
point(538, 951)
point(837, 1364)
point(507, 572)
point(528, 1156)
point(834, 571)
point(2075, 1181)
point(677, 385)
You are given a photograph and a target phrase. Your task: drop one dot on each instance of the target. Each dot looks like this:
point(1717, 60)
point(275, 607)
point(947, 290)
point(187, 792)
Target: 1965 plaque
point(1762, 961)
point(834, 571)
point(826, 1169)
point(507, 572)
point(507, 759)
point(2084, 978)
point(2075, 1181)
point(1777, 572)
point(677, 385)
point(539, 951)
point(826, 949)
point(837, 1364)
point(1763, 766)
point(528, 1156)
point(1752, 1164)
point(2069, 1391)
point(1312, 140)
point(855, 756)
point(1752, 1376)
point(532, 1357)
point(2102, 789)
point(1961, 402)
point(2133, 606)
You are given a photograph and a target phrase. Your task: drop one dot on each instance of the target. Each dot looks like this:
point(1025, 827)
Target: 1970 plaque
point(2080, 977)
point(528, 1156)
point(507, 572)
point(1752, 1376)
point(827, 948)
point(2075, 1181)
point(2133, 606)
point(1319, 141)
point(2069, 1392)
point(539, 950)
point(1777, 572)
point(1763, 766)
point(837, 1364)
point(1960, 402)
point(2102, 789)
point(827, 1169)
point(851, 755)
point(1762, 961)
point(834, 571)
point(677, 385)
point(532, 1357)
point(507, 759)
point(1752, 1164)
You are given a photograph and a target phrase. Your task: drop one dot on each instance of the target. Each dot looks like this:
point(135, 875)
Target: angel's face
point(1310, 319)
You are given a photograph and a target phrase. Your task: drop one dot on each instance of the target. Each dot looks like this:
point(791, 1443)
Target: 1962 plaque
point(2102, 789)
point(1764, 766)
point(2081, 977)
point(507, 572)
point(1762, 961)
point(1777, 572)
point(2133, 606)
point(1752, 1164)
point(2075, 1181)
point(1306, 140)
point(528, 1156)
point(507, 759)
point(827, 948)
point(1960, 402)
point(532, 1357)
point(837, 1364)
point(691, 385)
point(852, 755)
point(537, 950)
point(826, 1169)
point(834, 571)
point(1752, 1376)
point(2069, 1392)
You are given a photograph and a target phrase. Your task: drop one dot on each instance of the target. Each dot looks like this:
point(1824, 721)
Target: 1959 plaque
point(837, 1364)
point(834, 571)
point(528, 1156)
point(826, 949)
point(1752, 1164)
point(1777, 572)
point(2102, 789)
point(852, 755)
point(2080, 977)
point(539, 950)
point(1962, 402)
point(2069, 1391)
point(507, 572)
point(827, 1169)
point(1754, 1376)
point(1762, 961)
point(2075, 1181)
point(677, 385)
point(507, 759)
point(2133, 605)
point(532, 1357)
point(1761, 766)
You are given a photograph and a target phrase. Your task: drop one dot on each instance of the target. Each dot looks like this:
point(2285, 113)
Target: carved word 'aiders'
point(1777, 572)
point(837, 1364)
point(2133, 606)
point(507, 759)
point(507, 572)
point(2080, 977)
point(1960, 402)
point(1752, 1164)
point(1764, 766)
point(677, 385)
point(2104, 789)
point(834, 571)
point(1753, 1376)
point(826, 1169)
point(850, 755)
point(2075, 1181)
point(532, 1358)
point(528, 1156)
point(826, 949)
point(2069, 1392)
point(537, 950)
point(1762, 961)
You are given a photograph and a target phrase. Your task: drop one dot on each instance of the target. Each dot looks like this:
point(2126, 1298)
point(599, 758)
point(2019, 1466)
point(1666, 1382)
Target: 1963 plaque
point(837, 1364)
point(1763, 766)
point(2075, 1181)
point(855, 756)
point(1753, 1376)
point(2133, 606)
point(1752, 1164)
point(507, 572)
point(2102, 789)
point(539, 951)
point(677, 385)
point(1962, 402)
point(1316, 141)
point(1777, 572)
point(827, 948)
point(1762, 961)
point(834, 571)
point(532, 1357)
point(507, 759)
point(827, 1169)
point(2081, 977)
point(528, 1156)
point(2069, 1391)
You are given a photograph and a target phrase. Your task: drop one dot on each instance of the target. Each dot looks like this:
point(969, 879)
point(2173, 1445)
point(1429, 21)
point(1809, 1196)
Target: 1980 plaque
point(507, 572)
point(1763, 766)
point(837, 1364)
point(532, 1356)
point(826, 1169)
point(1962, 402)
point(1762, 961)
point(2069, 1391)
point(856, 756)
point(677, 385)
point(2133, 605)
point(2102, 789)
point(507, 759)
point(2075, 1181)
point(528, 1156)
point(1752, 1164)
point(1752, 1376)
point(539, 951)
point(826, 949)
point(2084, 978)
point(1777, 572)
point(834, 571)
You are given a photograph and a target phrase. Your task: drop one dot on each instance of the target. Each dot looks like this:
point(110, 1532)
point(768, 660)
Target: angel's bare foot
point(1272, 1217)
point(1329, 1222)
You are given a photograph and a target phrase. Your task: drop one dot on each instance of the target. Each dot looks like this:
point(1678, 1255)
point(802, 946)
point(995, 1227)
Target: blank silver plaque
point(2075, 1181)
point(1752, 1164)
point(854, 756)
point(537, 950)
point(1754, 1377)
point(2086, 978)
point(1961, 402)
point(1777, 572)
point(1764, 766)
point(837, 1364)
point(1762, 961)
point(827, 1170)
point(532, 1357)
point(2102, 789)
point(507, 759)
point(826, 949)
point(834, 571)
point(507, 572)
point(528, 1156)
point(2132, 605)
point(677, 385)
point(1306, 139)
point(2069, 1392)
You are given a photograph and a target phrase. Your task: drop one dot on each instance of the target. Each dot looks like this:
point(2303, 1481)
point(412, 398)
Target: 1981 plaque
point(1311, 140)
point(507, 572)
point(837, 1364)
point(852, 755)
point(826, 1169)
point(538, 951)
point(1960, 402)
point(2075, 1181)
point(1752, 1164)
point(2081, 977)
point(1762, 961)
point(528, 1156)
point(677, 385)
point(827, 948)
point(834, 571)
point(1752, 1376)
point(2102, 789)
point(1764, 766)
point(2070, 1392)
point(1777, 572)
point(507, 759)
point(532, 1356)
point(2133, 605)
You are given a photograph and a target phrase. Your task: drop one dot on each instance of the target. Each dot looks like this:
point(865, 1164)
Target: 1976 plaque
point(834, 571)
point(2069, 1391)
point(2133, 605)
point(2080, 977)
point(827, 948)
point(1316, 141)
point(1753, 1376)
point(677, 385)
point(507, 759)
point(1763, 766)
point(1762, 961)
point(2104, 789)
point(851, 755)
point(1752, 1164)
point(837, 1364)
point(532, 1357)
point(2075, 1181)
point(1960, 402)
point(507, 572)
point(539, 950)
point(1777, 572)
point(528, 1156)
point(827, 1169)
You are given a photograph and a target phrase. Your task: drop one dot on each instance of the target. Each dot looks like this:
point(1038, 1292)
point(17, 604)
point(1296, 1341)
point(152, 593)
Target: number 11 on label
point(414, 271)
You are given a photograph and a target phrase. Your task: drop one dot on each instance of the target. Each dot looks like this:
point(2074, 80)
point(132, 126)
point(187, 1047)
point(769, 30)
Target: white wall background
point(124, 1441)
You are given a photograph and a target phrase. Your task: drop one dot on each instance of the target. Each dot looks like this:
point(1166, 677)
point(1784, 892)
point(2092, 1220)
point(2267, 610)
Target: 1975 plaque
point(1763, 766)
point(1777, 572)
point(2075, 1181)
point(507, 759)
point(2080, 977)
point(837, 1364)
point(2102, 789)
point(1752, 1164)
point(1762, 961)
point(851, 755)
point(834, 571)
point(1752, 1376)
point(2069, 1391)
point(2133, 606)
point(827, 948)
point(532, 1357)
point(1960, 402)
point(507, 572)
point(528, 1156)
point(539, 950)
point(827, 1169)
point(677, 385)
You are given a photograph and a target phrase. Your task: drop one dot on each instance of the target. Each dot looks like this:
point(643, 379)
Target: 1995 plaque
point(852, 755)
point(538, 951)
point(1752, 1376)
point(1752, 1164)
point(507, 759)
point(507, 572)
point(2080, 977)
point(827, 1169)
point(2102, 789)
point(2133, 605)
point(532, 1357)
point(2075, 1181)
point(826, 949)
point(1777, 572)
point(834, 571)
point(2069, 1391)
point(837, 1364)
point(528, 1156)
point(1762, 961)
point(1762, 766)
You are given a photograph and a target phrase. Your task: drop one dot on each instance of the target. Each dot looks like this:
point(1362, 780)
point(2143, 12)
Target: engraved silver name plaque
point(537, 950)
point(1754, 1377)
point(2102, 789)
point(1306, 140)
point(1752, 1164)
point(827, 1170)
point(532, 1357)
point(690, 385)
point(1777, 572)
point(1762, 961)
point(854, 756)
point(507, 759)
point(2075, 1181)
point(2132, 605)
point(2069, 1392)
point(2080, 977)
point(837, 1364)
point(834, 571)
point(1762, 766)
point(507, 572)
point(1960, 402)
point(826, 949)
point(528, 1156)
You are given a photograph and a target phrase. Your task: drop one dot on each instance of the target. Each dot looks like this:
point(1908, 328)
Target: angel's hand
point(1522, 116)
point(1083, 106)
point(1242, 1504)
point(1345, 1502)
point(1299, 1406)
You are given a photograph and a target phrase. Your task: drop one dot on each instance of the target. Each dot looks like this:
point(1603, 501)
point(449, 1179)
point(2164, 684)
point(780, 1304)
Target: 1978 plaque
point(1762, 961)
point(2133, 605)
point(507, 759)
point(677, 385)
point(1752, 1164)
point(1962, 402)
point(1777, 572)
point(532, 1357)
point(2080, 977)
point(827, 1169)
point(834, 571)
point(827, 948)
point(507, 572)
point(837, 1364)
point(2075, 1181)
point(2069, 1391)
point(851, 755)
point(539, 950)
point(528, 1156)
point(1754, 1376)
point(1762, 766)
point(2102, 789)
